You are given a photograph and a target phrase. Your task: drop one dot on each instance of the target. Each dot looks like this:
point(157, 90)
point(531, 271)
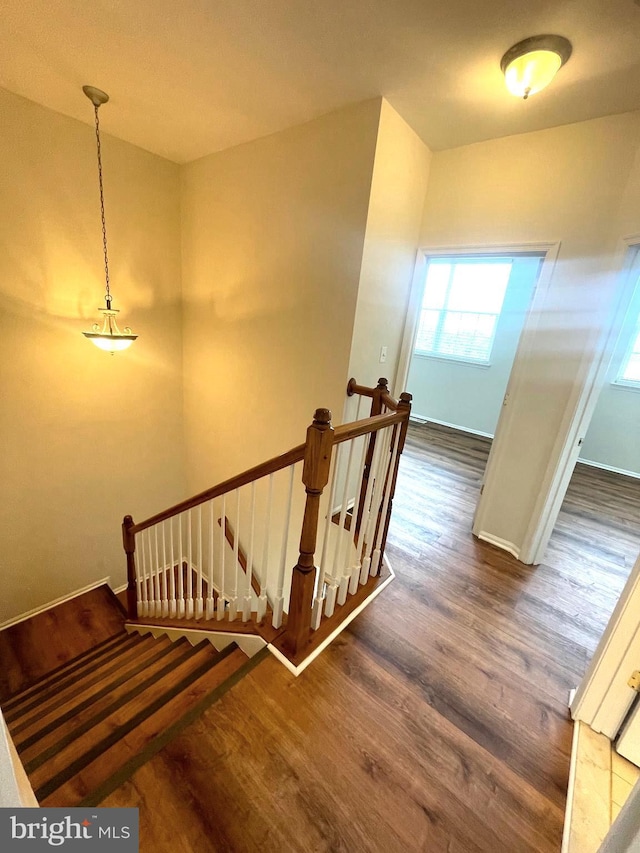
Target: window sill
point(622, 385)
point(453, 360)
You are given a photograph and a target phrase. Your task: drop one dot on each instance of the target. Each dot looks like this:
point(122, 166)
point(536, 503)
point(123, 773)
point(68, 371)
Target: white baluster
point(375, 559)
point(374, 513)
point(143, 607)
point(278, 602)
point(356, 569)
point(165, 596)
point(318, 601)
point(199, 599)
point(366, 513)
point(233, 591)
point(157, 597)
point(264, 571)
point(210, 604)
point(223, 542)
point(189, 566)
point(341, 552)
point(172, 574)
point(181, 609)
point(246, 603)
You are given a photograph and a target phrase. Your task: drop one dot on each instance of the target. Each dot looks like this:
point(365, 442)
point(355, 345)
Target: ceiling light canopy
point(531, 64)
point(107, 336)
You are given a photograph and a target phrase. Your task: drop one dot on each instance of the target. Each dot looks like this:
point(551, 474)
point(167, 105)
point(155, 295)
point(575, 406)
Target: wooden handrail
point(296, 454)
point(362, 427)
point(381, 391)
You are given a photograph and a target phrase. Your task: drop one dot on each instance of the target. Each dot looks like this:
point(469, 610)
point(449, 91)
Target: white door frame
point(549, 253)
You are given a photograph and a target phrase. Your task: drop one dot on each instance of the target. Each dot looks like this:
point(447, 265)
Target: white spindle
point(356, 569)
point(141, 568)
point(264, 571)
point(233, 591)
point(181, 608)
point(375, 560)
point(199, 600)
point(223, 542)
point(316, 614)
point(165, 596)
point(246, 603)
point(340, 551)
point(210, 604)
point(366, 512)
point(278, 603)
point(189, 613)
point(374, 513)
point(172, 574)
point(157, 598)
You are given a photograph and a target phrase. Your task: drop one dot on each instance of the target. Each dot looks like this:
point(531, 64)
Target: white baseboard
point(613, 470)
point(54, 603)
point(423, 419)
point(296, 670)
point(503, 544)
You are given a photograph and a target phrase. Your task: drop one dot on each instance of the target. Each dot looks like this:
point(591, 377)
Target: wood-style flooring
point(436, 722)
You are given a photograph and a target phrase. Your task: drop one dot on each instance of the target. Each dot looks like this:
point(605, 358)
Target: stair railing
point(223, 555)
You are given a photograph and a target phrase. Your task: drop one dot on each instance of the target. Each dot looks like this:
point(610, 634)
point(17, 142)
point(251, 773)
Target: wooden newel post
point(404, 405)
point(129, 542)
point(315, 475)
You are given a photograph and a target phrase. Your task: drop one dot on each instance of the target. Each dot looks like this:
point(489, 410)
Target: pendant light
point(531, 64)
point(106, 335)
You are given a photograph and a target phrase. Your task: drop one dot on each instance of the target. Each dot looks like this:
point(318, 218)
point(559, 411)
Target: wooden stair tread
point(110, 708)
point(64, 672)
point(42, 772)
point(44, 707)
point(144, 740)
point(83, 715)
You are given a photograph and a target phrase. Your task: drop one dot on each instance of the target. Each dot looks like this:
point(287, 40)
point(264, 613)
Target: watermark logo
point(74, 830)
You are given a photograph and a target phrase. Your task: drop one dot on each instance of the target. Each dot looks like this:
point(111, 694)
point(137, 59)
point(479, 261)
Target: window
point(462, 302)
point(629, 373)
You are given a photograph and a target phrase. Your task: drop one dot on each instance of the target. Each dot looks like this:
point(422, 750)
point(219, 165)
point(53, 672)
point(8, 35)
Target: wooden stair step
point(38, 714)
point(88, 708)
point(124, 754)
point(57, 768)
point(64, 672)
point(73, 742)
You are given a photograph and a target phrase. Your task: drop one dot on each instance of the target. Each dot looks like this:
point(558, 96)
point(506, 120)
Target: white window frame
point(632, 330)
point(453, 261)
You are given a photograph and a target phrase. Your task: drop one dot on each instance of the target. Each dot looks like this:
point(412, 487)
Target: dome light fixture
point(531, 64)
point(107, 336)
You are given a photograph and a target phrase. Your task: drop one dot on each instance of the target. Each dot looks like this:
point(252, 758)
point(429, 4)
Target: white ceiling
point(189, 77)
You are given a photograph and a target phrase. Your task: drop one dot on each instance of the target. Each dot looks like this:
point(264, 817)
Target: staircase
point(85, 727)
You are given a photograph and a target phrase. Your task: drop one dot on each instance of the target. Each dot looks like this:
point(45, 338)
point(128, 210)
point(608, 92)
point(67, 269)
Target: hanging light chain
point(104, 225)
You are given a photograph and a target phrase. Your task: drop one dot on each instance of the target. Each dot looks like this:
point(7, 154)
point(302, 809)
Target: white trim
point(626, 385)
point(604, 467)
point(548, 251)
point(603, 696)
point(456, 359)
point(296, 670)
point(578, 413)
point(250, 644)
point(120, 588)
point(423, 419)
point(54, 603)
point(566, 833)
point(503, 544)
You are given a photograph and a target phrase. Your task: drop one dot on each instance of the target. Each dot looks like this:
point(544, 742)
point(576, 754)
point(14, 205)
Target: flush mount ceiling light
point(107, 336)
point(532, 64)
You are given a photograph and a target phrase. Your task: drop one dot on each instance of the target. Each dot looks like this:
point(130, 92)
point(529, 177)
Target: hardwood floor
point(437, 721)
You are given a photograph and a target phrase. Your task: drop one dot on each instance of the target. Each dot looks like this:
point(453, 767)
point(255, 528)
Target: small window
point(629, 373)
point(462, 302)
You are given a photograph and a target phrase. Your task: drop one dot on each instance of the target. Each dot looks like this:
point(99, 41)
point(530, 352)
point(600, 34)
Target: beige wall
point(273, 233)
point(565, 184)
point(398, 190)
point(85, 436)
